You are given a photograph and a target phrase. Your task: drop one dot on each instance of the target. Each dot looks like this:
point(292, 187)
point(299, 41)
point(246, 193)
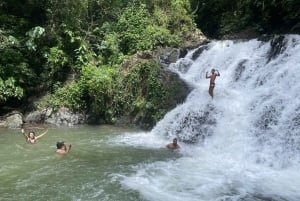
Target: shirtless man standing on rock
point(212, 81)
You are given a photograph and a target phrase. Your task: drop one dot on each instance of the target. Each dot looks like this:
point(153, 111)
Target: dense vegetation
point(71, 53)
point(219, 17)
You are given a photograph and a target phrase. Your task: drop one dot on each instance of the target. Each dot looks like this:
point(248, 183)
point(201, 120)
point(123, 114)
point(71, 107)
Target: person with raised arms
point(212, 81)
point(31, 137)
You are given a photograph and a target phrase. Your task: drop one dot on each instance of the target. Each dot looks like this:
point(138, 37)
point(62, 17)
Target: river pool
point(93, 170)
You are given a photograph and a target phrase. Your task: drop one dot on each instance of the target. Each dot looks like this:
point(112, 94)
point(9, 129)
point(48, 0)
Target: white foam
point(139, 139)
point(254, 146)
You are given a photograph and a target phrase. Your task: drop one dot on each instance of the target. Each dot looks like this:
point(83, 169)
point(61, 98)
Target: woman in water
point(30, 137)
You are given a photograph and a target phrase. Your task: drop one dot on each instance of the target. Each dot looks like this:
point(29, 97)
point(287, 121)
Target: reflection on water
point(91, 171)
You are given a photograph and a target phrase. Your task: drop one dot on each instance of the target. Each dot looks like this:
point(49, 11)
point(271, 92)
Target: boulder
point(12, 120)
point(64, 117)
point(61, 117)
point(35, 117)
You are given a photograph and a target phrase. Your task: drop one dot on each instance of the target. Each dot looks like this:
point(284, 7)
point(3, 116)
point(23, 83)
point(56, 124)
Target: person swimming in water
point(31, 137)
point(174, 145)
point(62, 148)
point(212, 81)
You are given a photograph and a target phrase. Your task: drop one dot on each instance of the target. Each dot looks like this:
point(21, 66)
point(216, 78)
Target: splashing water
point(243, 145)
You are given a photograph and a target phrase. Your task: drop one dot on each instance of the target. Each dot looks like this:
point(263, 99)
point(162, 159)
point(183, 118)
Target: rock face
point(12, 120)
point(175, 89)
point(195, 39)
point(35, 117)
point(197, 125)
point(62, 117)
point(65, 117)
point(178, 88)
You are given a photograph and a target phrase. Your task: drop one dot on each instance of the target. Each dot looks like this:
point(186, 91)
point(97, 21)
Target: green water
point(91, 171)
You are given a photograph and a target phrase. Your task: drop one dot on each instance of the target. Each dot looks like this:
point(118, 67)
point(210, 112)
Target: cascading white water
point(244, 145)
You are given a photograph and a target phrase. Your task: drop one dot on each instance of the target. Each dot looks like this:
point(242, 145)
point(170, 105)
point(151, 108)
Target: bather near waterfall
point(174, 145)
point(212, 81)
point(243, 147)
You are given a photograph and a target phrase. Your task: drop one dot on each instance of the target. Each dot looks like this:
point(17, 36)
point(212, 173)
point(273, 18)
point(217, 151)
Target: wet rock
point(176, 87)
point(239, 70)
point(65, 117)
point(61, 117)
point(278, 45)
point(195, 39)
point(12, 120)
point(260, 197)
point(199, 51)
point(35, 117)
point(296, 121)
point(169, 57)
point(183, 65)
point(268, 118)
point(196, 126)
point(182, 53)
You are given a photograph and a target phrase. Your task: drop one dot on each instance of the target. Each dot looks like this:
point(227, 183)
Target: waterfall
point(242, 145)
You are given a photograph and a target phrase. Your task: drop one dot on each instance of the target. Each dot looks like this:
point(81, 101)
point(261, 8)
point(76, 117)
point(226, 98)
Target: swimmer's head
point(31, 135)
point(60, 145)
point(213, 70)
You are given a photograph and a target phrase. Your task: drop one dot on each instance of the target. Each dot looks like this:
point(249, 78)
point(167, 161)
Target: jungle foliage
point(218, 17)
point(72, 51)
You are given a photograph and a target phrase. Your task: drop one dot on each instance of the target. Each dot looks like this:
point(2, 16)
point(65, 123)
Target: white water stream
point(244, 145)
